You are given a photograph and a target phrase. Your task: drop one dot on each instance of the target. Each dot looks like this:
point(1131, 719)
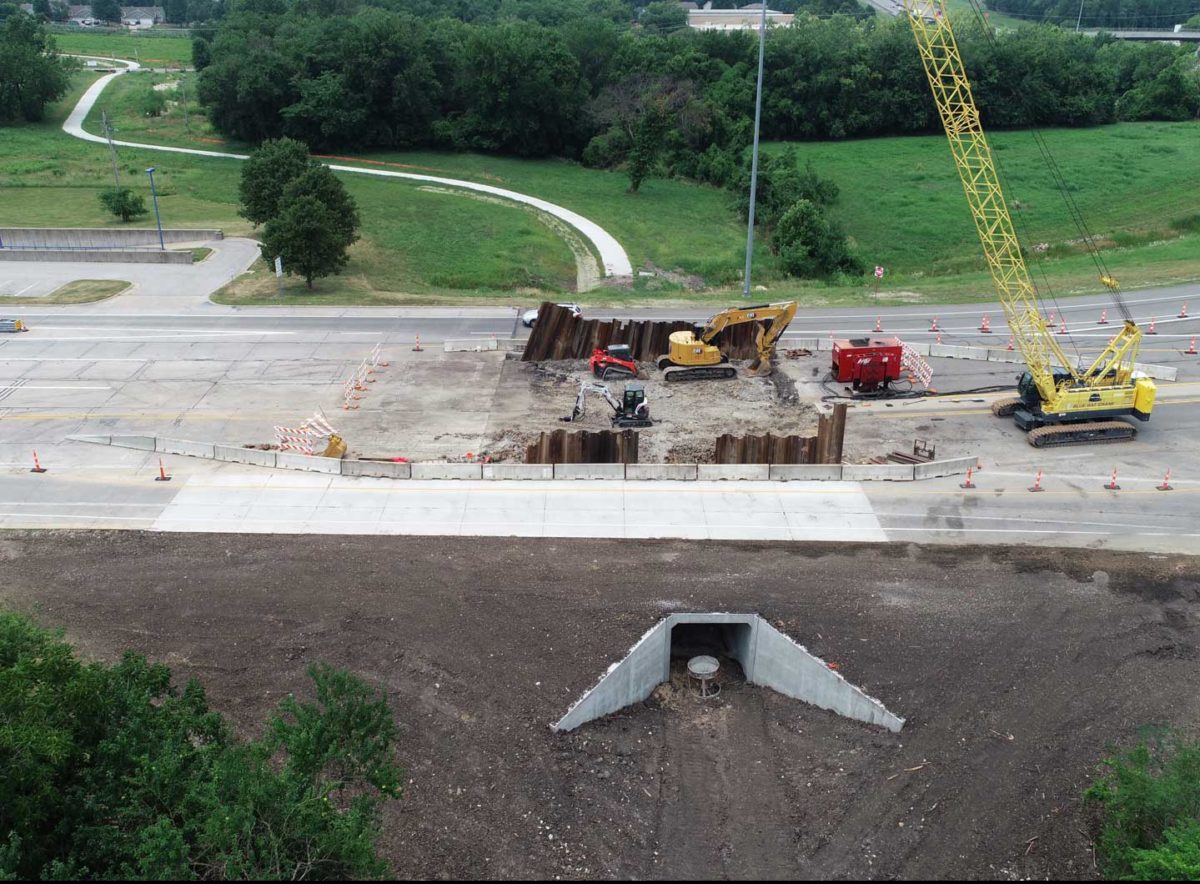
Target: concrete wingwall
point(88, 256)
point(99, 237)
point(767, 656)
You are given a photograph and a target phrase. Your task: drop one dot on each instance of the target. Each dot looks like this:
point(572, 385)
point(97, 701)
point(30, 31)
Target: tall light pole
point(1080, 18)
point(157, 217)
point(762, 40)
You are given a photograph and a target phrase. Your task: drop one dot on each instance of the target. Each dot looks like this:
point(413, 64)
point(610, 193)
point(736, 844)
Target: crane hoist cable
point(1064, 189)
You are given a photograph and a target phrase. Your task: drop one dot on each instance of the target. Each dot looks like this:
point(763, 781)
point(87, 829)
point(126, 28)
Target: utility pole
point(112, 149)
point(762, 40)
point(187, 125)
point(1080, 18)
point(157, 216)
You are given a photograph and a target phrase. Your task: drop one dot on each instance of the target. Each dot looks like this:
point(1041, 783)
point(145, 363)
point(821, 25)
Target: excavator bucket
point(335, 448)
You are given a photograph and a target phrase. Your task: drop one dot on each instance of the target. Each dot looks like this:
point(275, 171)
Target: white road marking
point(27, 288)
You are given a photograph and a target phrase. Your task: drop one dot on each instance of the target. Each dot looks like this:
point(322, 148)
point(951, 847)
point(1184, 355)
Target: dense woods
point(580, 79)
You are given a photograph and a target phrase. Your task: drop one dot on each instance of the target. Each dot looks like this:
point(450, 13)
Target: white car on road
point(529, 317)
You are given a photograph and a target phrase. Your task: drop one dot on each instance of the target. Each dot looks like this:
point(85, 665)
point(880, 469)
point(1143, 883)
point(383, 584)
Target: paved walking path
point(612, 256)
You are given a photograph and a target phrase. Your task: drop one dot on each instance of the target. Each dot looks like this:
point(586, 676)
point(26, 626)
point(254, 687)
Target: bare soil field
point(1016, 669)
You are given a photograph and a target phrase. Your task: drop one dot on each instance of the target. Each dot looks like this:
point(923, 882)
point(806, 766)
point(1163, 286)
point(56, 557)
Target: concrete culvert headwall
point(767, 657)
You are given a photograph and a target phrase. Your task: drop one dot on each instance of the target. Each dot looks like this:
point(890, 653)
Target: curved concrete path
point(612, 257)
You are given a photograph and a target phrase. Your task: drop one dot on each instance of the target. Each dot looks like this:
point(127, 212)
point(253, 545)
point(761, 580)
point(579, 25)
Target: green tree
point(265, 176)
point(123, 203)
point(31, 73)
point(1150, 803)
point(319, 181)
point(106, 10)
point(811, 246)
point(176, 11)
point(42, 8)
point(663, 16)
point(111, 772)
point(305, 234)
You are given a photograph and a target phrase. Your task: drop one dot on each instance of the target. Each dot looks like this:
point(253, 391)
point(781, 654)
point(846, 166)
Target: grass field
point(155, 51)
point(1138, 185)
point(417, 245)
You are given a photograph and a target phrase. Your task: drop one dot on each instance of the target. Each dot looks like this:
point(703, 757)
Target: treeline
point(374, 78)
point(1158, 14)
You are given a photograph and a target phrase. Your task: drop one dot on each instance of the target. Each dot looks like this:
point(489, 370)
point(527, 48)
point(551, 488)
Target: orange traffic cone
point(162, 473)
point(37, 466)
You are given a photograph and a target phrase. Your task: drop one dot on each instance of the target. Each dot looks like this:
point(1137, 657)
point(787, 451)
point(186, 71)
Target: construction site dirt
point(439, 406)
point(1016, 669)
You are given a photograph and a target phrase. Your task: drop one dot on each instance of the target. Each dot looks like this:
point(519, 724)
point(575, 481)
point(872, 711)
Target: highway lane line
point(31, 387)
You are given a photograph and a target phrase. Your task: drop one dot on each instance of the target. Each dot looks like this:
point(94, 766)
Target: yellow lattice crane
point(1058, 403)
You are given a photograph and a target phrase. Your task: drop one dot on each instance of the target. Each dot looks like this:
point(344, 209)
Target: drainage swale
point(766, 656)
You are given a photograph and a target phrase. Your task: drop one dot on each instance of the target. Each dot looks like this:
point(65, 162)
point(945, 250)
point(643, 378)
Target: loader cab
point(635, 395)
point(620, 351)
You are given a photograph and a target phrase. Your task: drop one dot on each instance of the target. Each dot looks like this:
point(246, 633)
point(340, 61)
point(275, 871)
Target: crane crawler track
point(1091, 432)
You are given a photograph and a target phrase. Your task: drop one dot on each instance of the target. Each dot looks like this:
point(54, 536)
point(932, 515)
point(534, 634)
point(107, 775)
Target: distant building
point(747, 18)
point(131, 16)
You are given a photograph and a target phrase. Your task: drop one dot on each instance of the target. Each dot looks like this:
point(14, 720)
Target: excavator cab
point(635, 395)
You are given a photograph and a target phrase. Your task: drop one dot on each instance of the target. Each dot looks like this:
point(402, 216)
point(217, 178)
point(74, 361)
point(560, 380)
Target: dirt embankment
point(1016, 670)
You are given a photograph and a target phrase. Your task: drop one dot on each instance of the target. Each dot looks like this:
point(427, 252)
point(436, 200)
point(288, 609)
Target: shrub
point(123, 203)
point(1150, 803)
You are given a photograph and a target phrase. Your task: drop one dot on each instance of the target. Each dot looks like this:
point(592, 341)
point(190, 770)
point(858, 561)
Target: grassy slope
point(901, 202)
point(415, 242)
point(156, 51)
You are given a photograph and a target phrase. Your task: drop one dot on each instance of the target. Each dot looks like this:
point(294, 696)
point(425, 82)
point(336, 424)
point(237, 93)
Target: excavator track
point(674, 373)
point(1079, 433)
point(1005, 407)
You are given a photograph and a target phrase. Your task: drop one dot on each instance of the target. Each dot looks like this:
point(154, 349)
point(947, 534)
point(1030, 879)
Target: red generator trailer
point(867, 364)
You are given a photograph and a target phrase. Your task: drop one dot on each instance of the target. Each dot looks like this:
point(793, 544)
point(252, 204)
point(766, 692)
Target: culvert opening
point(764, 655)
point(729, 643)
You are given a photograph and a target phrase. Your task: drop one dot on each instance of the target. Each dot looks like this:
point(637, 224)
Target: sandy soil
point(1016, 670)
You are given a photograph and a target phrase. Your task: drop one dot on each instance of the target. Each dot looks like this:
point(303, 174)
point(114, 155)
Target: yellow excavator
point(1057, 402)
point(695, 358)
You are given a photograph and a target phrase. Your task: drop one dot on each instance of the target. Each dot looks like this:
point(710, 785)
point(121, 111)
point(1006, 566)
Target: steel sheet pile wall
point(823, 448)
point(559, 335)
point(583, 446)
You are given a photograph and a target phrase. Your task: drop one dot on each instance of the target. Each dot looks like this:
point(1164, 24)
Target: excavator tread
point(1005, 407)
point(675, 373)
point(1093, 432)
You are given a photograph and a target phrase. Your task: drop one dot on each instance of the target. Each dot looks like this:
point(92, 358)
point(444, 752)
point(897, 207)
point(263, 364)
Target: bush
point(123, 203)
point(151, 102)
point(110, 772)
point(781, 183)
point(606, 150)
point(810, 245)
point(1150, 801)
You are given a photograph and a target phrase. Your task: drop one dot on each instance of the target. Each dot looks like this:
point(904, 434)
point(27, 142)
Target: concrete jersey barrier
point(690, 472)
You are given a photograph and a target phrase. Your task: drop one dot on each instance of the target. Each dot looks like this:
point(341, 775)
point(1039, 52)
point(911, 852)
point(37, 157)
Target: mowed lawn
point(156, 51)
point(414, 242)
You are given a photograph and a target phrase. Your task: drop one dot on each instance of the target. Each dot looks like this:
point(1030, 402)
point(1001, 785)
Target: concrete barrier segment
point(379, 469)
point(289, 461)
point(237, 454)
point(184, 447)
point(447, 471)
point(589, 471)
point(859, 472)
point(518, 471)
point(952, 467)
point(755, 472)
point(805, 472)
point(680, 472)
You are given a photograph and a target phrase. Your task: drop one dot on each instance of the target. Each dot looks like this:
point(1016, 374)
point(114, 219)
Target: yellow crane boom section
point(977, 169)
